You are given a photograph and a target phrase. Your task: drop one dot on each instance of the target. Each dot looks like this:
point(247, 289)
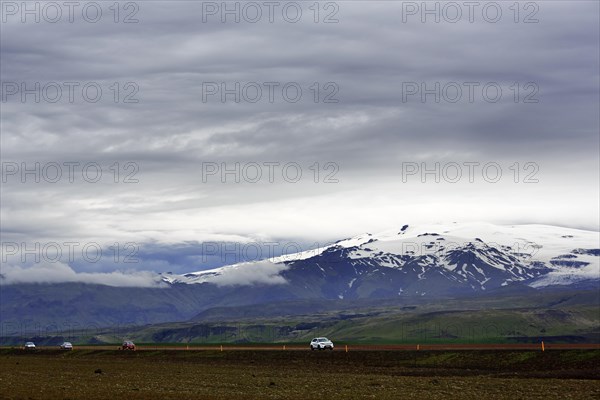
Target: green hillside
point(570, 317)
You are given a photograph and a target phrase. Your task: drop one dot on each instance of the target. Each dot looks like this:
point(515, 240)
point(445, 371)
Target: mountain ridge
point(539, 254)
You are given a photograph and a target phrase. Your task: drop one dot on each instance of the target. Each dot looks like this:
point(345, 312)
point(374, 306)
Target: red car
point(128, 345)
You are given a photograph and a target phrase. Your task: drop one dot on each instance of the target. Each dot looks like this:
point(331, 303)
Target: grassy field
point(101, 374)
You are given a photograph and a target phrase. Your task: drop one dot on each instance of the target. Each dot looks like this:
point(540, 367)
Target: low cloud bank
point(60, 272)
point(250, 273)
point(262, 272)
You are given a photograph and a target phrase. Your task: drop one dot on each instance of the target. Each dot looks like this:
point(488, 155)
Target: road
point(352, 347)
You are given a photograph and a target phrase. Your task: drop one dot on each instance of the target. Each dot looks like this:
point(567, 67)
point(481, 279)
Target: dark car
point(128, 345)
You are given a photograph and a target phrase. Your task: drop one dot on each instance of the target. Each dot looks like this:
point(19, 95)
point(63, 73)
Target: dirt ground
point(250, 374)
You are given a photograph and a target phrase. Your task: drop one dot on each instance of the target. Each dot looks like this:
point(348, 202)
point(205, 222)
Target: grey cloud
point(369, 133)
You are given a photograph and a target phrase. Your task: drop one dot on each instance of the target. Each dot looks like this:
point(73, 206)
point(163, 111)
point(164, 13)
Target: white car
point(321, 343)
point(29, 346)
point(66, 346)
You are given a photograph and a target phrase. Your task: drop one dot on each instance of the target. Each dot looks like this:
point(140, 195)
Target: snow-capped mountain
point(404, 265)
point(425, 260)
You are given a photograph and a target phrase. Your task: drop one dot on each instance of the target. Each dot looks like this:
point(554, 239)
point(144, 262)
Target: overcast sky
point(368, 121)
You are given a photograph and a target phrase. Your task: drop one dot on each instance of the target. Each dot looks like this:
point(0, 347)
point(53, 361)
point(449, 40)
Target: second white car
point(66, 346)
point(321, 343)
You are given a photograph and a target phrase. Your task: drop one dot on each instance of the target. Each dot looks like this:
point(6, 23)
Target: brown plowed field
point(378, 372)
